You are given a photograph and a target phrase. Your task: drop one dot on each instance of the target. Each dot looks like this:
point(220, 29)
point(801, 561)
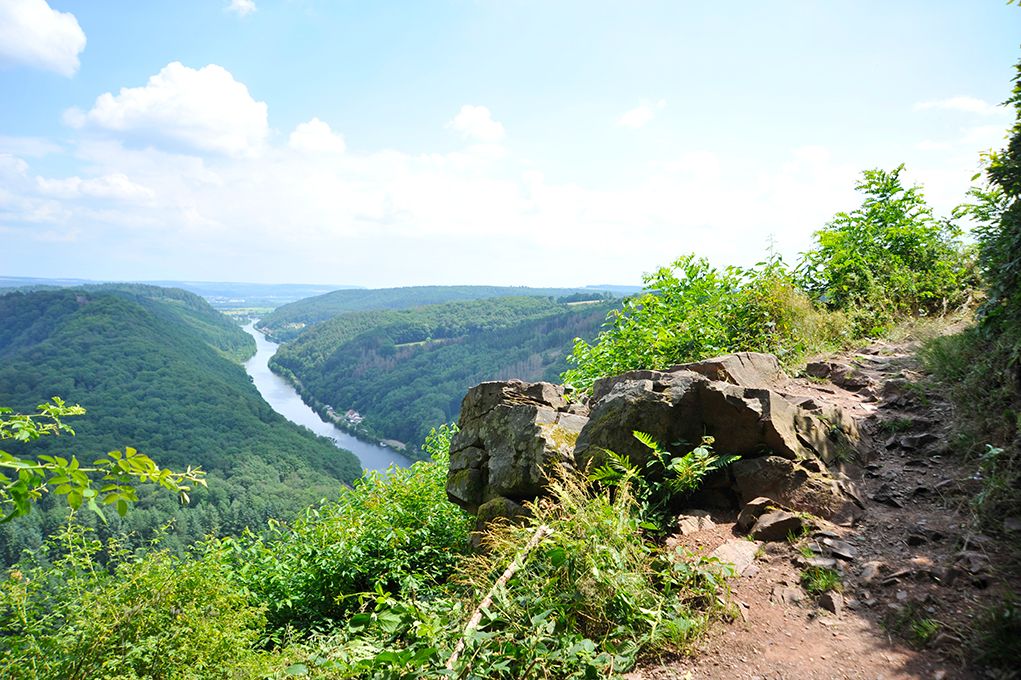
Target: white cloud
point(32, 147)
point(114, 186)
point(641, 115)
point(33, 33)
point(965, 104)
point(206, 109)
point(315, 136)
point(476, 123)
point(241, 7)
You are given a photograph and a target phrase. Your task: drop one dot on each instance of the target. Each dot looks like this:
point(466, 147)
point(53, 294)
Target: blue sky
point(472, 141)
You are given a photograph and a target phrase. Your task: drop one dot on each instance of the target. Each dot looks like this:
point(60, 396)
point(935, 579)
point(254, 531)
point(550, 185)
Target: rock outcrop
point(513, 433)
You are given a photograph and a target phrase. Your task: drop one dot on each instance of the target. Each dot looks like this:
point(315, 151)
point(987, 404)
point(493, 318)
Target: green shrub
point(64, 615)
point(997, 640)
point(888, 258)
point(691, 310)
point(588, 600)
point(394, 532)
point(593, 596)
point(971, 367)
point(669, 478)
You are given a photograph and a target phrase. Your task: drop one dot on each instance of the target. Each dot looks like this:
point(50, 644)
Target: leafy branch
point(110, 480)
point(671, 477)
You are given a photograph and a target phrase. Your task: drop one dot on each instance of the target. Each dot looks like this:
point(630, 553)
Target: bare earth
point(916, 575)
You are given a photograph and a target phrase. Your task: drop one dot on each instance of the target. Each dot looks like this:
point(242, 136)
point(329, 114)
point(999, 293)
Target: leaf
point(296, 669)
point(557, 556)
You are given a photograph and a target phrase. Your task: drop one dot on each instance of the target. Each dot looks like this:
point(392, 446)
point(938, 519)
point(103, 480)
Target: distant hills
point(406, 371)
point(223, 295)
point(287, 321)
point(228, 295)
point(158, 369)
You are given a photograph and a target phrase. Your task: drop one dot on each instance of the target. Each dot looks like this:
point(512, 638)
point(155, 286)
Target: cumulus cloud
point(476, 123)
point(965, 104)
point(34, 34)
point(641, 115)
point(241, 7)
point(206, 109)
point(315, 136)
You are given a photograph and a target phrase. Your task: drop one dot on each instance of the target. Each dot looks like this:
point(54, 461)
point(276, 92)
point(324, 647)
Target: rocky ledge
point(513, 433)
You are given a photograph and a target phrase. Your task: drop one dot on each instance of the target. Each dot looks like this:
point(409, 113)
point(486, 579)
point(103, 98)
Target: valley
point(279, 394)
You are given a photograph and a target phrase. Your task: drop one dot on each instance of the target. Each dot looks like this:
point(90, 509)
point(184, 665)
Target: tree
point(1000, 236)
point(24, 480)
point(887, 258)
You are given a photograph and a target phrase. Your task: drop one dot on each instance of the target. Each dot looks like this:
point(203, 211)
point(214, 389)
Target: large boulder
point(512, 434)
point(682, 406)
point(747, 369)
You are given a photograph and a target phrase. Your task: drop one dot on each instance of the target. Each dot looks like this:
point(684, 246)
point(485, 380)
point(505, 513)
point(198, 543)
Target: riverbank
point(286, 400)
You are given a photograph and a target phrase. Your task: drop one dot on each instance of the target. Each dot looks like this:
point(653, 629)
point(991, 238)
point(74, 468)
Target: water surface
point(285, 401)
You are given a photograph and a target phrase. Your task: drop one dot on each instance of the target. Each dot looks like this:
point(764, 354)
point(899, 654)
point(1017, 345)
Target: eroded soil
point(915, 574)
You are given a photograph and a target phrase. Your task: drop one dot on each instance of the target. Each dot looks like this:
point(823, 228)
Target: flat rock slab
point(738, 552)
point(694, 521)
point(776, 526)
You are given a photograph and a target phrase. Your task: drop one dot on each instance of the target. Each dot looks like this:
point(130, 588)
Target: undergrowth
point(375, 585)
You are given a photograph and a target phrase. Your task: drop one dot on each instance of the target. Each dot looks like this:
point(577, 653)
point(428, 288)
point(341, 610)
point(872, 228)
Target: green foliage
point(287, 321)
point(166, 388)
point(819, 580)
point(888, 258)
point(394, 532)
point(997, 642)
point(361, 588)
point(66, 615)
point(403, 370)
point(683, 475)
point(668, 477)
point(924, 630)
point(119, 472)
point(691, 310)
point(592, 596)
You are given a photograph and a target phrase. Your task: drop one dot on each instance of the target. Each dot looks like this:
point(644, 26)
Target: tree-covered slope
point(404, 371)
point(287, 321)
point(181, 306)
point(151, 371)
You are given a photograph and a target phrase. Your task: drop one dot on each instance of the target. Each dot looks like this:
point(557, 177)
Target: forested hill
point(151, 367)
point(405, 371)
point(181, 306)
point(287, 321)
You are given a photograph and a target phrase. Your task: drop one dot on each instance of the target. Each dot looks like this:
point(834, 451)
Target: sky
point(505, 142)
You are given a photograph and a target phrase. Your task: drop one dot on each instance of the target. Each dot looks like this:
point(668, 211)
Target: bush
point(393, 532)
point(146, 615)
point(589, 598)
point(593, 596)
point(691, 310)
point(889, 258)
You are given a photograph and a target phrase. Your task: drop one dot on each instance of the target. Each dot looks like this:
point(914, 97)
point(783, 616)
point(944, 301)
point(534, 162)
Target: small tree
point(1000, 236)
point(23, 480)
point(889, 257)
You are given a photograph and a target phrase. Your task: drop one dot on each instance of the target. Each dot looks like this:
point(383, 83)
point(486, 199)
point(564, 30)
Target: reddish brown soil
point(932, 564)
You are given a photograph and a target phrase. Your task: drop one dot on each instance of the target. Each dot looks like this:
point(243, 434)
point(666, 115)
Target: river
point(285, 401)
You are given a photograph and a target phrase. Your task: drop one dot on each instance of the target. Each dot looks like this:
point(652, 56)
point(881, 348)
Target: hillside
point(406, 370)
point(151, 368)
point(287, 321)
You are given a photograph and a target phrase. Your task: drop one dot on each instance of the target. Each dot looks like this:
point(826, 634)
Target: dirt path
point(914, 574)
